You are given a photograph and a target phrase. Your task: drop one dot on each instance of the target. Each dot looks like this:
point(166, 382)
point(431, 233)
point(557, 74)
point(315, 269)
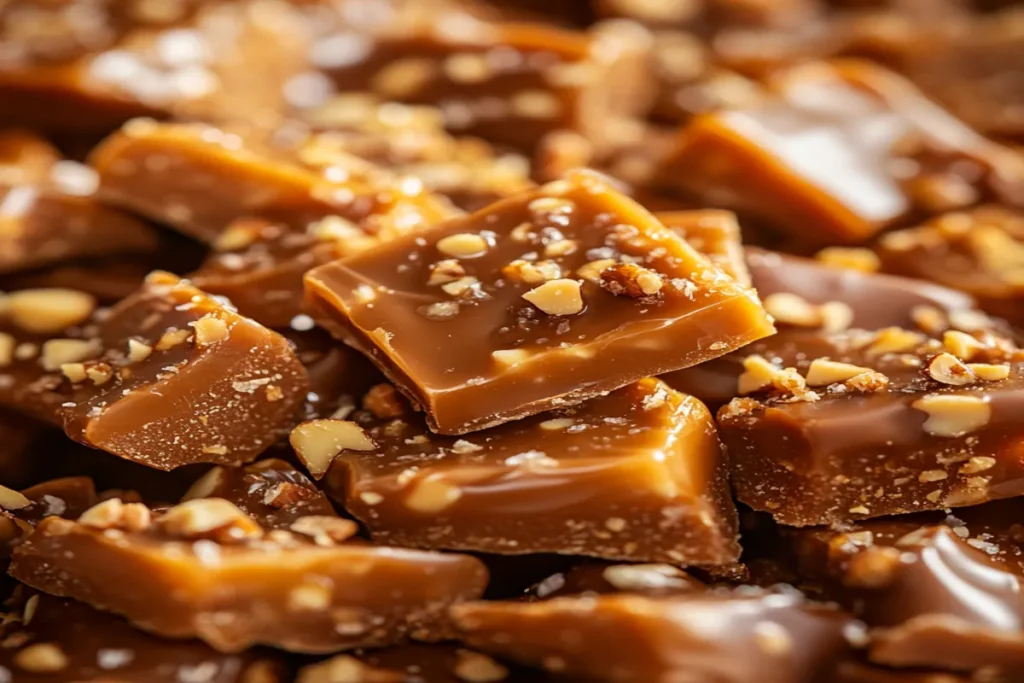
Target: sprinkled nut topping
point(41, 658)
point(852, 258)
point(319, 442)
point(952, 415)
point(628, 279)
point(210, 330)
point(474, 667)
point(824, 372)
point(948, 369)
point(462, 245)
point(445, 271)
point(557, 297)
point(49, 311)
point(432, 495)
point(202, 516)
point(12, 500)
point(58, 352)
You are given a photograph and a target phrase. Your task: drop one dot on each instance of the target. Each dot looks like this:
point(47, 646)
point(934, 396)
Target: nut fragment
point(137, 351)
point(445, 271)
point(12, 500)
point(462, 245)
point(57, 352)
point(49, 311)
point(962, 345)
point(893, 340)
point(629, 279)
point(325, 530)
point(792, 309)
point(460, 286)
point(210, 330)
point(978, 463)
point(432, 494)
point(591, 272)
point(474, 667)
point(382, 400)
point(988, 372)
point(114, 514)
point(759, 373)
point(510, 357)
point(853, 258)
point(205, 515)
point(948, 369)
point(557, 297)
point(75, 372)
point(823, 372)
point(172, 338)
point(532, 273)
point(952, 415)
point(836, 316)
point(41, 658)
point(319, 442)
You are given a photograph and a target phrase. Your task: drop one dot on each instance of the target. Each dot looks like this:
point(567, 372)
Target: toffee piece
point(205, 569)
point(720, 636)
point(938, 593)
point(567, 292)
point(636, 475)
point(820, 160)
point(860, 424)
point(716, 234)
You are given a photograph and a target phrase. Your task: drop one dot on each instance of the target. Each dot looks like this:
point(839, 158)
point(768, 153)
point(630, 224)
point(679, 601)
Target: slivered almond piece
point(557, 297)
point(952, 415)
point(49, 311)
point(823, 372)
point(319, 442)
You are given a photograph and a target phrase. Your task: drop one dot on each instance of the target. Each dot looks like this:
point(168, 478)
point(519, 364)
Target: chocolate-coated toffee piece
point(507, 82)
point(174, 377)
point(716, 234)
point(635, 475)
point(270, 491)
point(78, 67)
point(979, 251)
point(205, 569)
point(937, 593)
point(572, 290)
point(805, 297)
point(717, 636)
point(48, 211)
point(411, 140)
point(20, 511)
point(206, 178)
point(822, 159)
point(863, 424)
point(54, 640)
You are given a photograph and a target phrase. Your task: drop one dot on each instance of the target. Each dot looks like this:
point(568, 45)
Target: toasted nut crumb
point(836, 316)
point(474, 667)
point(41, 658)
point(962, 345)
point(57, 352)
point(952, 415)
point(113, 514)
point(325, 530)
point(371, 497)
point(12, 500)
point(464, 446)
point(137, 351)
point(591, 272)
point(432, 494)
point(318, 442)
point(852, 258)
point(204, 515)
point(100, 374)
point(49, 311)
point(948, 369)
point(867, 382)
point(382, 400)
point(309, 597)
point(792, 309)
point(823, 372)
point(978, 463)
point(629, 279)
point(274, 393)
point(559, 248)
point(460, 286)
point(74, 372)
point(7, 346)
point(210, 330)
point(557, 423)
point(759, 373)
point(442, 310)
point(448, 270)
point(462, 245)
point(532, 273)
point(988, 372)
point(929, 319)
point(932, 475)
point(172, 338)
point(557, 297)
point(893, 340)
point(860, 510)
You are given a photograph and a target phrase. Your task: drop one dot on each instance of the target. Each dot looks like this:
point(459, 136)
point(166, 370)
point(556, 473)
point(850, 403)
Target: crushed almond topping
point(629, 279)
point(137, 351)
point(559, 248)
point(75, 372)
point(759, 373)
point(836, 316)
point(948, 369)
point(48, 311)
point(867, 382)
point(382, 400)
point(893, 340)
point(325, 530)
point(952, 415)
point(100, 374)
point(460, 286)
point(173, 338)
point(474, 667)
point(988, 372)
point(462, 245)
point(792, 309)
point(318, 442)
point(591, 272)
point(58, 352)
point(532, 273)
point(205, 515)
point(962, 345)
point(823, 372)
point(448, 270)
point(852, 258)
point(210, 330)
point(12, 500)
point(557, 297)
point(978, 463)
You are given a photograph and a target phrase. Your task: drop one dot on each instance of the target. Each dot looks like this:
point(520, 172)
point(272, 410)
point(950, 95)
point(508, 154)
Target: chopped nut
point(172, 338)
point(929, 319)
point(559, 248)
point(836, 316)
point(893, 340)
point(49, 311)
point(557, 297)
point(474, 667)
point(205, 515)
point(792, 309)
point(12, 500)
point(41, 658)
point(309, 596)
point(988, 372)
point(853, 258)
point(382, 400)
point(639, 577)
point(948, 369)
point(591, 272)
point(952, 415)
point(318, 442)
point(867, 382)
point(978, 463)
point(137, 351)
point(510, 357)
point(557, 423)
point(932, 475)
point(100, 374)
point(462, 245)
point(759, 373)
point(75, 372)
point(823, 372)
point(114, 514)
point(57, 352)
point(463, 446)
point(325, 530)
point(432, 494)
point(629, 279)
point(532, 273)
point(460, 286)
point(448, 270)
point(962, 345)
point(442, 310)
point(210, 330)
point(205, 485)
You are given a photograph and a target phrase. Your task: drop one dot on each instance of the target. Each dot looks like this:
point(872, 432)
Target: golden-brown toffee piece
point(48, 211)
point(861, 424)
point(270, 491)
point(938, 593)
point(715, 636)
point(207, 178)
point(840, 152)
point(507, 82)
point(205, 569)
point(979, 251)
point(539, 301)
point(55, 640)
point(86, 67)
point(716, 234)
point(175, 377)
point(806, 297)
point(636, 475)
point(20, 511)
